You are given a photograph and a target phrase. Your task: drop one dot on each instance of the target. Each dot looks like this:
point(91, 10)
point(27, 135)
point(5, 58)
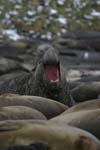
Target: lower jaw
point(53, 85)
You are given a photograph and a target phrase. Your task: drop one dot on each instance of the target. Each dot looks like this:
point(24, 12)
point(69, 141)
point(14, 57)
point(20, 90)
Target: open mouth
point(52, 72)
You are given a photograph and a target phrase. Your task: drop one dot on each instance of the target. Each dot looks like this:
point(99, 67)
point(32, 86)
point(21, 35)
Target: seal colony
point(72, 128)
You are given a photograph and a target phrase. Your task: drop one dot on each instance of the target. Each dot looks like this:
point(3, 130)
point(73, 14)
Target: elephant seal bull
point(57, 137)
point(88, 120)
point(48, 80)
point(87, 105)
point(47, 107)
point(20, 112)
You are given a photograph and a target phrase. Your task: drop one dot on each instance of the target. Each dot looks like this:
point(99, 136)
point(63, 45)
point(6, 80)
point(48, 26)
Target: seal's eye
point(52, 72)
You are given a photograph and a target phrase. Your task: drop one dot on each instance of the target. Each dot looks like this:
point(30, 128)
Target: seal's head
point(51, 66)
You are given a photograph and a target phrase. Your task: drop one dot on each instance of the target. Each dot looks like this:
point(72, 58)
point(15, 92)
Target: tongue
point(52, 73)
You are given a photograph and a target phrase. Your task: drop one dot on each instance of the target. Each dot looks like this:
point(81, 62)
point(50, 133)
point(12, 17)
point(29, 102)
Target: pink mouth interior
point(52, 72)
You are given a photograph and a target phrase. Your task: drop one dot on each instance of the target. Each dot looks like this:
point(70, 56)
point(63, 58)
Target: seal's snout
point(51, 57)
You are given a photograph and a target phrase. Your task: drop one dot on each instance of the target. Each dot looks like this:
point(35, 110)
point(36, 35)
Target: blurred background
point(47, 18)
